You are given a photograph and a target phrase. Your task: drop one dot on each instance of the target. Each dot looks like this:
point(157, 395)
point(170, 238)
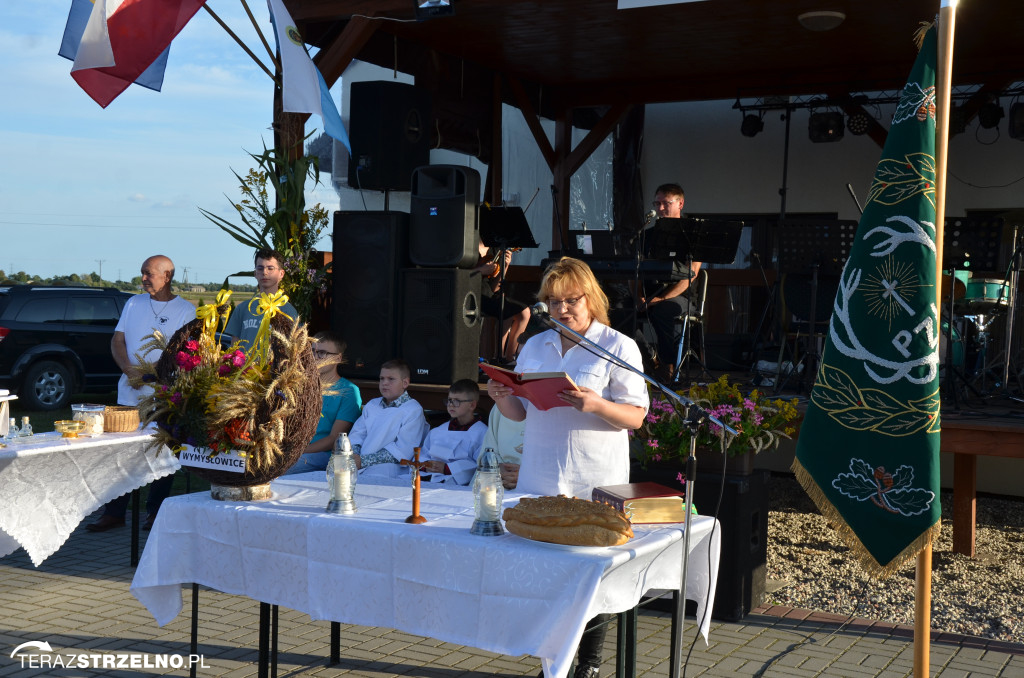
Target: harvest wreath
point(263, 401)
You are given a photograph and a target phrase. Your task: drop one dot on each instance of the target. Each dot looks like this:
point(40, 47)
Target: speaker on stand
point(370, 249)
point(443, 216)
point(389, 129)
point(440, 324)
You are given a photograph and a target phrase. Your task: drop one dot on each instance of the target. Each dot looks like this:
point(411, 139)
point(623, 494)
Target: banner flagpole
point(923, 574)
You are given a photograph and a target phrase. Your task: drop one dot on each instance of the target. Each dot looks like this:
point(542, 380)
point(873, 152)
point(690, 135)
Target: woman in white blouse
point(571, 450)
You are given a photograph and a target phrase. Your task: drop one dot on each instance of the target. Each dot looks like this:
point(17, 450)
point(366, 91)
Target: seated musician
point(489, 267)
point(671, 299)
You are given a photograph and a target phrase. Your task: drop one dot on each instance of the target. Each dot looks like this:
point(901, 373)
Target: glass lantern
point(488, 494)
point(341, 477)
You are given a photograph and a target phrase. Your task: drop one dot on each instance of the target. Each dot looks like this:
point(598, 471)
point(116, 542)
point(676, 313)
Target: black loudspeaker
point(370, 249)
point(443, 216)
point(743, 514)
point(389, 128)
point(440, 324)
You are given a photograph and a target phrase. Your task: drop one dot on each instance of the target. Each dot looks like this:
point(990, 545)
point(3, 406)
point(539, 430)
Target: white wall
point(700, 146)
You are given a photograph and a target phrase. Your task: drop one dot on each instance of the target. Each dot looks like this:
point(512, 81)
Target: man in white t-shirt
point(158, 309)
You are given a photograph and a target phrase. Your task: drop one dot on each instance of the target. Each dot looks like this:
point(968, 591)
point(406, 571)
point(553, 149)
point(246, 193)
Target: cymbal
point(957, 285)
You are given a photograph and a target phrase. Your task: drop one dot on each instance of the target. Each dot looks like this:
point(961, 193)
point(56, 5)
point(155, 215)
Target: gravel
point(978, 596)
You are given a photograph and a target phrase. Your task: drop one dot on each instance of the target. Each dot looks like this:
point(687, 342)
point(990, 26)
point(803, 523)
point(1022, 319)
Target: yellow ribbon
point(209, 315)
point(269, 306)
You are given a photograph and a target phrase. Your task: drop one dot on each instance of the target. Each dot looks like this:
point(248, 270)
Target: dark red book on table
point(644, 502)
point(540, 388)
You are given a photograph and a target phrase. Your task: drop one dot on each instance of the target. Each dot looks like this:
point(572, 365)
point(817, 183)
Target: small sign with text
point(231, 461)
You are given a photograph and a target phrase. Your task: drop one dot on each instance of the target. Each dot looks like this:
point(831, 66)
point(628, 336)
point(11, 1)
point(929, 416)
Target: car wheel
point(47, 386)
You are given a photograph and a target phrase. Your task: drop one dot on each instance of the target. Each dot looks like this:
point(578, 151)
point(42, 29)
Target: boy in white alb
point(451, 449)
point(390, 426)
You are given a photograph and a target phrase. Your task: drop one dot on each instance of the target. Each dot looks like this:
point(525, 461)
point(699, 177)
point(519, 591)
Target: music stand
point(822, 247)
point(504, 227)
point(686, 240)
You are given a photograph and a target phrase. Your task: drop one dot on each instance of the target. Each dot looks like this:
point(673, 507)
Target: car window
point(45, 310)
point(93, 311)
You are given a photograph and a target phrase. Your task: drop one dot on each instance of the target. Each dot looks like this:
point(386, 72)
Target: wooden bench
point(965, 440)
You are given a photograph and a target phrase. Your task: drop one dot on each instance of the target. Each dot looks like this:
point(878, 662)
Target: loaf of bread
point(568, 520)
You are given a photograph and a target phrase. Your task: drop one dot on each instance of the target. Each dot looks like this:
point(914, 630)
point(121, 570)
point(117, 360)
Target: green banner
point(868, 451)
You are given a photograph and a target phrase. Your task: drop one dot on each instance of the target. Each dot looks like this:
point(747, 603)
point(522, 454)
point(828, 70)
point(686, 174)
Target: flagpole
point(923, 578)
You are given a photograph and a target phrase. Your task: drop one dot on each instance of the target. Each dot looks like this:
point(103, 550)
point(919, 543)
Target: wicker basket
point(120, 418)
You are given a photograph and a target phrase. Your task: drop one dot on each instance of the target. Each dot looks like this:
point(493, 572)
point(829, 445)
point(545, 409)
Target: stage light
point(990, 113)
point(825, 127)
point(1016, 121)
point(752, 125)
point(858, 123)
point(428, 9)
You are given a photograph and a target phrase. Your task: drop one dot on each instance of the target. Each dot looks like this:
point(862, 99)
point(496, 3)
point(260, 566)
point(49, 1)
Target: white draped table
point(48, 484)
point(504, 594)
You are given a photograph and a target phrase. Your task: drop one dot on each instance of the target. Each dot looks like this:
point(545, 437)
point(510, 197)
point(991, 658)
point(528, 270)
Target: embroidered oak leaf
point(891, 492)
point(913, 98)
point(910, 502)
point(855, 486)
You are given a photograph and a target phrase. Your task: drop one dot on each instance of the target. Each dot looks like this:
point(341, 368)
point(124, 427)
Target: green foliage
point(273, 215)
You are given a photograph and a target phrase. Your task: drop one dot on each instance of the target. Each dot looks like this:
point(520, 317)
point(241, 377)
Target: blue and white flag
point(303, 89)
point(78, 19)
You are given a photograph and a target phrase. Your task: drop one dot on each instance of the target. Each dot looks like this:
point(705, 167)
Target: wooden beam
point(595, 137)
point(561, 179)
point(333, 61)
point(533, 121)
point(334, 10)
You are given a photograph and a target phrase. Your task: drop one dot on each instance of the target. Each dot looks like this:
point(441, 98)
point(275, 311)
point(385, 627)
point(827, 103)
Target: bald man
point(157, 309)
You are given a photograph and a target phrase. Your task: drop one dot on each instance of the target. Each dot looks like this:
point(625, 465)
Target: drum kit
point(971, 310)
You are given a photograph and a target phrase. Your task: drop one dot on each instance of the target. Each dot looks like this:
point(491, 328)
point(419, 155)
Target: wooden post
point(923, 573)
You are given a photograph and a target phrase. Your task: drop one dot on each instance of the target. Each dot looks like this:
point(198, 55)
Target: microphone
point(540, 310)
point(650, 217)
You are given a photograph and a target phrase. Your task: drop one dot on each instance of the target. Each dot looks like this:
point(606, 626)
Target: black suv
point(55, 341)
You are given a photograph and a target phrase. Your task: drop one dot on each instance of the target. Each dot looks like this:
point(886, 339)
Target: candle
point(489, 500)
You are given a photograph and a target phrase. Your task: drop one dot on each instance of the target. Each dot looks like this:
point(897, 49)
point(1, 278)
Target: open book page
point(540, 388)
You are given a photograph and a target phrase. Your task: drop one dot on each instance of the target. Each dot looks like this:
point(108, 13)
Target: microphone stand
point(695, 416)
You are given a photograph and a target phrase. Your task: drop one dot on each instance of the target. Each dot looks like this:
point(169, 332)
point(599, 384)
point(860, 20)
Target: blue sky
point(81, 184)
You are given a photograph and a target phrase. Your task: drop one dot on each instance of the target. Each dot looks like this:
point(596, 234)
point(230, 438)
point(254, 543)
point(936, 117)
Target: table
point(49, 484)
point(966, 439)
point(503, 594)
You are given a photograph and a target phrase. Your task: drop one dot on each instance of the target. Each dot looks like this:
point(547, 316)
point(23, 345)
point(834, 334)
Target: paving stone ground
point(78, 602)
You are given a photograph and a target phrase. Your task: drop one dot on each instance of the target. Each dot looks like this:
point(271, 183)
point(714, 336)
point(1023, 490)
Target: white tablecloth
point(48, 484)
point(503, 594)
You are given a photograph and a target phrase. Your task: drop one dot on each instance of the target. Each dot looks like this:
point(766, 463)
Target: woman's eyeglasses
point(571, 303)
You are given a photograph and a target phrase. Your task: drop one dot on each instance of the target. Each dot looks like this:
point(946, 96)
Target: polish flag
point(122, 38)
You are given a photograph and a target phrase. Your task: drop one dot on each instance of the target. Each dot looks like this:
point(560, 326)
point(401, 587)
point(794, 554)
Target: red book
point(540, 388)
point(644, 502)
